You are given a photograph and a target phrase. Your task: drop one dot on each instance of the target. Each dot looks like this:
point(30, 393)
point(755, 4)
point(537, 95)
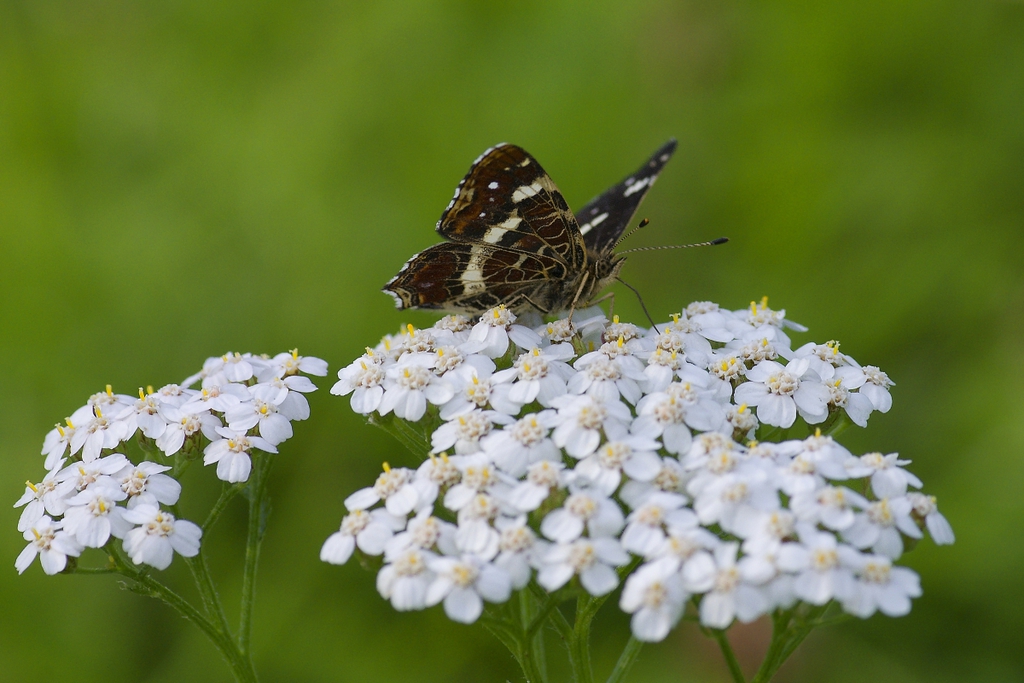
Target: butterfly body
point(513, 240)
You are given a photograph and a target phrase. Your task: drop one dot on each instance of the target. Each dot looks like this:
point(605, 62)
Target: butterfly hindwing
point(465, 277)
point(507, 200)
point(607, 216)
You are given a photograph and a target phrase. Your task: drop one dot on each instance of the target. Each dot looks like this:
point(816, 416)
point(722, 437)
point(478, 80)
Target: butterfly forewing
point(507, 200)
point(607, 216)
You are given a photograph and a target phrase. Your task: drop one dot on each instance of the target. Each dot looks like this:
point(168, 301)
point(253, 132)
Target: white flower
point(231, 453)
point(159, 536)
point(820, 573)
point(888, 478)
point(655, 596)
point(409, 384)
point(49, 496)
point(404, 581)
point(877, 388)
point(58, 439)
point(370, 531)
point(464, 584)
point(608, 373)
point(634, 455)
point(435, 472)
point(148, 418)
point(857, 406)
point(671, 478)
point(938, 527)
point(182, 425)
point(286, 394)
point(644, 533)
point(730, 588)
point(217, 397)
point(722, 498)
point(670, 414)
point(145, 484)
point(520, 551)
point(424, 532)
point(542, 478)
point(97, 434)
point(540, 375)
point(879, 527)
point(882, 587)
point(465, 431)
point(93, 515)
point(581, 420)
point(53, 545)
point(743, 422)
point(830, 506)
point(273, 426)
point(780, 392)
point(599, 514)
point(522, 443)
point(592, 559)
point(291, 363)
point(395, 487)
point(475, 388)
point(363, 378)
point(491, 335)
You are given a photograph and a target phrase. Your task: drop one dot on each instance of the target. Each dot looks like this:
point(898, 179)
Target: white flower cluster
point(243, 402)
point(603, 448)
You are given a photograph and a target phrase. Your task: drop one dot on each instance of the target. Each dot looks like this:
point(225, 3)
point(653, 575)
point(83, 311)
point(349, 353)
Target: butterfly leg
point(541, 309)
point(579, 291)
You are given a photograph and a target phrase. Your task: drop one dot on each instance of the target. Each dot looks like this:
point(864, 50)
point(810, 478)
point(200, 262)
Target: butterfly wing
point(606, 217)
point(508, 201)
point(464, 277)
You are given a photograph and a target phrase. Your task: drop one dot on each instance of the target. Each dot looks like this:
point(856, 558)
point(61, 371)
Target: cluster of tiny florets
point(594, 452)
point(92, 492)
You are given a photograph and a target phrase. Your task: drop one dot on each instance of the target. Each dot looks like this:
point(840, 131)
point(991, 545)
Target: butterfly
point(514, 241)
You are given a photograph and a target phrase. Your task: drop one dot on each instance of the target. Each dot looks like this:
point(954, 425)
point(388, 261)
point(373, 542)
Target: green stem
point(254, 537)
point(240, 665)
point(579, 646)
point(730, 657)
point(227, 493)
point(773, 658)
point(207, 591)
point(626, 660)
point(532, 621)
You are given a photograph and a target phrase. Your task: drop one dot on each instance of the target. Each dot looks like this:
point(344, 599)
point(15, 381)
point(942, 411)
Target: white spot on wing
point(472, 277)
point(511, 223)
point(493, 235)
point(524, 191)
point(493, 185)
point(636, 187)
point(586, 227)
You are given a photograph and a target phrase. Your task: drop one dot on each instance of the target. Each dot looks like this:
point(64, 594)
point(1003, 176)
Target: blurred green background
point(185, 178)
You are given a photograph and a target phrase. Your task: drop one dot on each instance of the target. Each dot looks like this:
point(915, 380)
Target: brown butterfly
point(514, 241)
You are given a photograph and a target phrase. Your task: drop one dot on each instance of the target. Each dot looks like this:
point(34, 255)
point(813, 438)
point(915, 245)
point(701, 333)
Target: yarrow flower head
point(568, 454)
point(92, 494)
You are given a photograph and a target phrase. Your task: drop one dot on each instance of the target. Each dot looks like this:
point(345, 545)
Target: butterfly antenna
point(642, 304)
point(642, 224)
point(712, 243)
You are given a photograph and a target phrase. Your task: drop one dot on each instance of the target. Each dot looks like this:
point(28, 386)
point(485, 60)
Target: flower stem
point(730, 657)
point(259, 509)
point(579, 646)
point(532, 620)
point(241, 666)
point(207, 591)
point(626, 660)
